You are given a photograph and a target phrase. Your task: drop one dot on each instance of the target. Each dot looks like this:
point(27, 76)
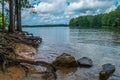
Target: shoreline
point(16, 45)
point(20, 49)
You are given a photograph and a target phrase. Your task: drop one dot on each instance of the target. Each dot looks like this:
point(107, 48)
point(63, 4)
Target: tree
point(15, 13)
point(111, 19)
point(11, 26)
point(18, 14)
point(15, 19)
point(18, 5)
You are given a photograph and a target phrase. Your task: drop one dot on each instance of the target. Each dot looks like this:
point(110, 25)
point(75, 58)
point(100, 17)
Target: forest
point(111, 19)
point(10, 16)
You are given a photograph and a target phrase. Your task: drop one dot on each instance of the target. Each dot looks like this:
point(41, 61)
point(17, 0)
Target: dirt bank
point(13, 73)
point(18, 48)
point(25, 52)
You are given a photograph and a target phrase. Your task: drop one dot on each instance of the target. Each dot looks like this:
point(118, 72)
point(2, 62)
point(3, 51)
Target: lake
point(102, 46)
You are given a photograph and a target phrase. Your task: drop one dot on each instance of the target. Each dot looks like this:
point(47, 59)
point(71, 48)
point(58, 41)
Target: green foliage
point(108, 19)
point(25, 4)
point(1, 27)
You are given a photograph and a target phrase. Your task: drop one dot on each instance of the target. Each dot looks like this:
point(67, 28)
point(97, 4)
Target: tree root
point(8, 61)
point(7, 45)
point(50, 67)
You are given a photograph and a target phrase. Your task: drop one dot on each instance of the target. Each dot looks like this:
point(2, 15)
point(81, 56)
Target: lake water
point(102, 46)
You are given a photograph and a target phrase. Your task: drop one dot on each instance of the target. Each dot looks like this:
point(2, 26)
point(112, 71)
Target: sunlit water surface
point(100, 45)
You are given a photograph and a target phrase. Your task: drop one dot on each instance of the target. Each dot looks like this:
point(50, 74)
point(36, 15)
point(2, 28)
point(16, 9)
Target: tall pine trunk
point(18, 15)
point(11, 18)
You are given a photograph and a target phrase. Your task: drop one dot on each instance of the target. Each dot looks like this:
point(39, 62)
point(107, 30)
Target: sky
point(61, 11)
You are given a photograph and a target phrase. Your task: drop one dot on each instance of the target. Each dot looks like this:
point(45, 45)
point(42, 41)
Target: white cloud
point(57, 11)
point(51, 6)
point(89, 7)
point(112, 8)
point(84, 5)
point(44, 7)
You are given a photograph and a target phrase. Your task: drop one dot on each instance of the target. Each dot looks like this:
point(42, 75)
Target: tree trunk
point(3, 21)
point(11, 18)
point(18, 14)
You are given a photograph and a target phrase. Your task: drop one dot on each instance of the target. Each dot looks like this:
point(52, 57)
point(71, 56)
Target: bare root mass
point(8, 55)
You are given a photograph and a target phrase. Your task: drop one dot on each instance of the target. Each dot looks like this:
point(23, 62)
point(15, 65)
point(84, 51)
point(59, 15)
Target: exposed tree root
point(50, 67)
point(7, 46)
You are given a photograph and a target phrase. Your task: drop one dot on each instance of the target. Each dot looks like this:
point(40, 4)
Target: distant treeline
point(111, 19)
point(50, 25)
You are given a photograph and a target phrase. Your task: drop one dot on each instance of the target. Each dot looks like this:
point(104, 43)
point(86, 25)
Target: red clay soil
point(23, 51)
point(13, 73)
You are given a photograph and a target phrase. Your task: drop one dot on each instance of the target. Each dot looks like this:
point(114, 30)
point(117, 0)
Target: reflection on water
point(92, 36)
point(100, 45)
point(51, 35)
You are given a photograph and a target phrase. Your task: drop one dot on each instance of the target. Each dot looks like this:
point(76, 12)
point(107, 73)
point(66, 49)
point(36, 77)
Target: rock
point(85, 62)
point(65, 60)
point(108, 70)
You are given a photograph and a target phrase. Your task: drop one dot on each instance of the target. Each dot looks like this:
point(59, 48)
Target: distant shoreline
point(52, 25)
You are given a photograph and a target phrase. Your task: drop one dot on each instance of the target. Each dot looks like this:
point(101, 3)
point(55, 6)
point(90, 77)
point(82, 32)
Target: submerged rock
point(108, 70)
point(65, 60)
point(85, 62)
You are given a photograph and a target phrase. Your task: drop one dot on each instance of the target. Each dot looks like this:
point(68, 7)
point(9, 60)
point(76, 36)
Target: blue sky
point(61, 11)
